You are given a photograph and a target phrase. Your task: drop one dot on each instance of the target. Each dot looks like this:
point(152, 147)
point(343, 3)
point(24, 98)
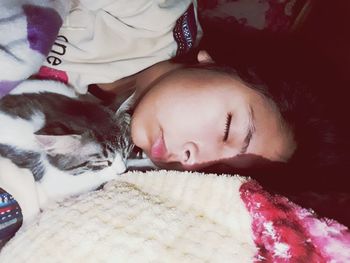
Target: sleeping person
point(195, 116)
point(289, 134)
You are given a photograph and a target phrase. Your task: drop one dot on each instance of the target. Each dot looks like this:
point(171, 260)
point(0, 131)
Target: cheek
point(140, 130)
point(191, 123)
point(173, 117)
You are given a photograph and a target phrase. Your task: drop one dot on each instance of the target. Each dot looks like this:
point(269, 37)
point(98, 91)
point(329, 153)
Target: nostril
point(187, 155)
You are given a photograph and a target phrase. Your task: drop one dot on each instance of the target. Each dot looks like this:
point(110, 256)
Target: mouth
point(158, 149)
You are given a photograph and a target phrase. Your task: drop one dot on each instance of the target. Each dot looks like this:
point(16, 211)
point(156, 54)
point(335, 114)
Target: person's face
point(198, 117)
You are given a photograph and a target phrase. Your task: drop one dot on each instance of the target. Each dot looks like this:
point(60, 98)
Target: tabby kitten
point(69, 145)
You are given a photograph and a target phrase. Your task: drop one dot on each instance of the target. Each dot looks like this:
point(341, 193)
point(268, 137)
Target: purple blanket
point(27, 32)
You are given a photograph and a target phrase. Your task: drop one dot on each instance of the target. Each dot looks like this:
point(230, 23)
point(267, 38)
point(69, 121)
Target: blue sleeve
point(10, 217)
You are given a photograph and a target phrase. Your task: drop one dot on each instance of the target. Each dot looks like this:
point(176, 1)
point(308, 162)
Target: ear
point(55, 128)
point(203, 57)
point(59, 144)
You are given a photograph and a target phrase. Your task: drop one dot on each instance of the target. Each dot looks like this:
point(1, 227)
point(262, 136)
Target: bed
point(168, 216)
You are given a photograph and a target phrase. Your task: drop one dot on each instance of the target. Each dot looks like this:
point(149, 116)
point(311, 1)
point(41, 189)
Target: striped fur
point(69, 146)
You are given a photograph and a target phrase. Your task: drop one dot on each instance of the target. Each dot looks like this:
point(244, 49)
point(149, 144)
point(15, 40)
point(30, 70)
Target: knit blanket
point(168, 216)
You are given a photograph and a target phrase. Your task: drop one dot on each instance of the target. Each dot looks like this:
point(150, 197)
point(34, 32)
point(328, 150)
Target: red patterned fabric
point(285, 232)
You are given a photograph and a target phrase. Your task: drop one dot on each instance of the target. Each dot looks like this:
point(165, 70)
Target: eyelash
point(227, 126)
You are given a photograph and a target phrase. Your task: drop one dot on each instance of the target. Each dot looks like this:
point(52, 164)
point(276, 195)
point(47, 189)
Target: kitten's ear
point(59, 144)
point(55, 128)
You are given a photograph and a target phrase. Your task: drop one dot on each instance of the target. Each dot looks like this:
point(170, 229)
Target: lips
point(158, 150)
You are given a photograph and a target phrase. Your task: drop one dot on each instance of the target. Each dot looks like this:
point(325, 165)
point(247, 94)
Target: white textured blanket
point(154, 217)
point(178, 217)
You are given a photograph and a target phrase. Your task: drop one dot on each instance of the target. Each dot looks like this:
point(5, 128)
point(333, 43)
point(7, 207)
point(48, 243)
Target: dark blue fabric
point(10, 217)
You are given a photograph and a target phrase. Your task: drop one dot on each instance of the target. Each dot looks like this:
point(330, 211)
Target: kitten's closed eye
point(77, 154)
point(90, 156)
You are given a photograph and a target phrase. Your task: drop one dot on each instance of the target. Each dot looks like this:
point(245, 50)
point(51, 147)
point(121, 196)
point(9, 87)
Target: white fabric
point(103, 41)
point(13, 37)
point(143, 217)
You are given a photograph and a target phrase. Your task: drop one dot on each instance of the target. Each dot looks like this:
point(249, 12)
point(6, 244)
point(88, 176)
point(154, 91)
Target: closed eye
point(227, 126)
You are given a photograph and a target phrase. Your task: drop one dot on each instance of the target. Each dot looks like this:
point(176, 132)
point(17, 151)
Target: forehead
point(198, 75)
point(188, 80)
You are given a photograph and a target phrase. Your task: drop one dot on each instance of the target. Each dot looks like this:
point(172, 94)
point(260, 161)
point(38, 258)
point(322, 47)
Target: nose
point(189, 153)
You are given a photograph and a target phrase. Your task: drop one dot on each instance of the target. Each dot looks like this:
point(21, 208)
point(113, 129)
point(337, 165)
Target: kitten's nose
point(189, 154)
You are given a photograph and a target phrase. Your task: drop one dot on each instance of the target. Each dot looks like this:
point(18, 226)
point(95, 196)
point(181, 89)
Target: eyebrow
point(250, 132)
point(227, 126)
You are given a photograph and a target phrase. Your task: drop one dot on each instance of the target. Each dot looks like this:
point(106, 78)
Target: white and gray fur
point(69, 145)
